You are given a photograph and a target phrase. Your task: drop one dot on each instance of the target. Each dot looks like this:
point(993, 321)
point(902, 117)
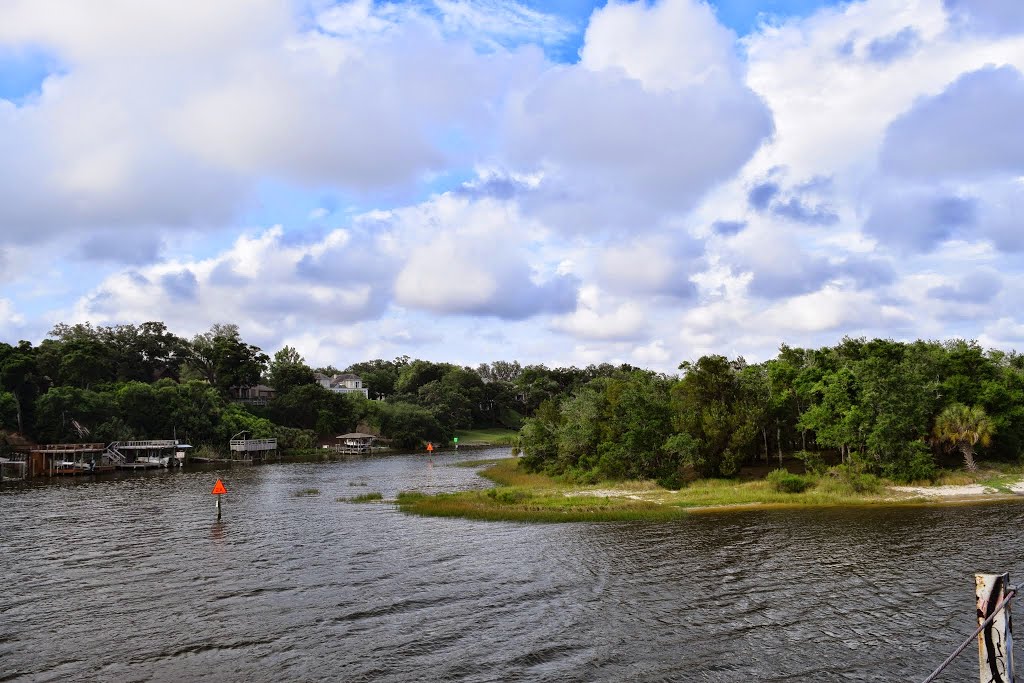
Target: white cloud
point(600, 317)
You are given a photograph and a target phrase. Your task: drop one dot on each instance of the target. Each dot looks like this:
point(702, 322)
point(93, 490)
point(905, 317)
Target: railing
point(157, 443)
point(252, 401)
point(68, 447)
point(115, 455)
point(253, 444)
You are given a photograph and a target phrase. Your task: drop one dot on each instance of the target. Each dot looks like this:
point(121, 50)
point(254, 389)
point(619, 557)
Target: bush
point(912, 462)
point(508, 496)
point(784, 481)
point(851, 479)
point(813, 462)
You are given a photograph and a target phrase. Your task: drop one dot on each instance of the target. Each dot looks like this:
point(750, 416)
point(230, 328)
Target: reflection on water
point(134, 579)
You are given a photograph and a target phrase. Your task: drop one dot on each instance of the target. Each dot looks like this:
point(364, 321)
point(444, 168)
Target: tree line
point(122, 382)
point(890, 408)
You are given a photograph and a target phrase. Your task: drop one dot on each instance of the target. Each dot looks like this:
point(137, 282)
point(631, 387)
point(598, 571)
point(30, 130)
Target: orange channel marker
point(218, 488)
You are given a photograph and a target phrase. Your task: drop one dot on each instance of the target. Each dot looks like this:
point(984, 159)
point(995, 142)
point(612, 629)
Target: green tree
point(289, 370)
point(964, 427)
point(18, 375)
point(225, 360)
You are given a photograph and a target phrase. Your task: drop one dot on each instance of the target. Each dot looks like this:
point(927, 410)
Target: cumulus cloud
point(133, 248)
point(919, 218)
point(973, 128)
point(651, 266)
point(978, 287)
point(637, 127)
point(987, 16)
point(605, 318)
point(215, 99)
point(890, 48)
point(477, 263)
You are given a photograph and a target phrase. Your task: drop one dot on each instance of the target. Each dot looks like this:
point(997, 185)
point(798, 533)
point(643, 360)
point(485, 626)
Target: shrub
point(852, 479)
point(912, 462)
point(508, 496)
point(784, 481)
point(813, 462)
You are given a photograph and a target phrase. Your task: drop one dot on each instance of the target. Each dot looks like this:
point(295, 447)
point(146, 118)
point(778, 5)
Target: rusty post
point(995, 642)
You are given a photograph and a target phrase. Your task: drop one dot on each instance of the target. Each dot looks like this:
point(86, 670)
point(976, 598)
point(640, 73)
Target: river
point(132, 579)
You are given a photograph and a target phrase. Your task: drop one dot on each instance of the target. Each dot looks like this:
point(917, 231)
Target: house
point(257, 395)
point(345, 383)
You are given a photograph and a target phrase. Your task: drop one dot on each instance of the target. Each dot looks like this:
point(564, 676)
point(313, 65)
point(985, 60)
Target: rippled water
point(132, 579)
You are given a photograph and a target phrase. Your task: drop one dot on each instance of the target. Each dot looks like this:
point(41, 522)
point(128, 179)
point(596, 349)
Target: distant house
point(345, 383)
point(258, 395)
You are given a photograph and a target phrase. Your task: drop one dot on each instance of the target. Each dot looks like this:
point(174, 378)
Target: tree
point(225, 360)
point(289, 370)
point(963, 427)
point(18, 375)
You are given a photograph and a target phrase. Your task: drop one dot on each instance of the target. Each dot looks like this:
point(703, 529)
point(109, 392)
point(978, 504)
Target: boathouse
point(252, 449)
point(354, 443)
point(67, 459)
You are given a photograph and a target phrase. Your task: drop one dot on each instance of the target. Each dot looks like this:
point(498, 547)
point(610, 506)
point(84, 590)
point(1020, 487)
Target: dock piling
point(995, 642)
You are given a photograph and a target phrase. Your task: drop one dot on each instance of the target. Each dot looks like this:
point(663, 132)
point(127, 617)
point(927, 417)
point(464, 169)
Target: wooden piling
point(995, 642)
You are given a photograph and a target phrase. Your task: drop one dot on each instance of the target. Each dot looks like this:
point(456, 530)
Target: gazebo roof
point(356, 435)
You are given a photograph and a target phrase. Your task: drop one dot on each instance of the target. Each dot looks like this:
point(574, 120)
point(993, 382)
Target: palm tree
point(963, 427)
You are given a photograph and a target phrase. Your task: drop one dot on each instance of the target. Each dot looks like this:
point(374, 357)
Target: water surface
point(132, 579)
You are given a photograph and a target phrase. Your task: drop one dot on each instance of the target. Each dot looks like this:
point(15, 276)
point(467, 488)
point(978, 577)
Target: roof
point(357, 435)
point(346, 375)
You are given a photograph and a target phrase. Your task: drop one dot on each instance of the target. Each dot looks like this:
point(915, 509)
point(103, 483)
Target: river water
point(132, 579)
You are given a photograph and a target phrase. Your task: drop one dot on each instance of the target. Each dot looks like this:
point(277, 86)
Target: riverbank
point(525, 496)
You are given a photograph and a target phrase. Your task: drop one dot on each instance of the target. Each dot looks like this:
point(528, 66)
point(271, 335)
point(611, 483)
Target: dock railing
point(250, 445)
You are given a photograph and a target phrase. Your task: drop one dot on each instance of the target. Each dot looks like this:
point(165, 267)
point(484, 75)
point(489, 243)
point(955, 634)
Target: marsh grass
point(994, 475)
point(531, 497)
point(513, 506)
point(362, 498)
point(307, 492)
point(492, 436)
point(478, 463)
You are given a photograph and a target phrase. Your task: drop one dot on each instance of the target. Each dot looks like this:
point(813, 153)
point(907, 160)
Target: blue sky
point(558, 182)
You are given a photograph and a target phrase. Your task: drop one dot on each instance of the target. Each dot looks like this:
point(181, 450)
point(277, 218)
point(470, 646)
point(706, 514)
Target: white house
point(345, 383)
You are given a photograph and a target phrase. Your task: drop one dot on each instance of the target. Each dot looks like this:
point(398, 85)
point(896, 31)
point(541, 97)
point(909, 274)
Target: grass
point(307, 492)
point(531, 497)
point(491, 436)
point(993, 475)
point(530, 507)
point(477, 463)
point(362, 498)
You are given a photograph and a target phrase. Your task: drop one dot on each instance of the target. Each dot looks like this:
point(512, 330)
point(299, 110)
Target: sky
point(563, 182)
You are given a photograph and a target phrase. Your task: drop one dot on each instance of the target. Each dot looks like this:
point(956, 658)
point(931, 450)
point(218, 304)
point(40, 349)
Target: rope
point(963, 646)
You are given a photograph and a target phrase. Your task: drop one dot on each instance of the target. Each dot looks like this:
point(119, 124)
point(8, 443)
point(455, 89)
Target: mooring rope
point(963, 646)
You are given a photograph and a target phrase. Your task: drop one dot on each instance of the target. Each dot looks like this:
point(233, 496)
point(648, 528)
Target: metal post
point(995, 642)
point(218, 508)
